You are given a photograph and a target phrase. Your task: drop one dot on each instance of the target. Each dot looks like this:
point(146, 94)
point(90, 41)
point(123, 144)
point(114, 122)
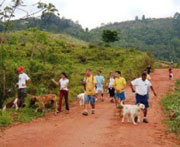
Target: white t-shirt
point(111, 82)
point(141, 86)
point(22, 80)
point(63, 84)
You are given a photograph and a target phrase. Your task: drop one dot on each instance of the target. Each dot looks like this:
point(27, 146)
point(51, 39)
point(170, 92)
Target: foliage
point(158, 36)
point(171, 105)
point(5, 119)
point(110, 36)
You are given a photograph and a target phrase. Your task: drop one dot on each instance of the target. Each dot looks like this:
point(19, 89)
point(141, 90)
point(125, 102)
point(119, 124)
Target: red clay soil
point(104, 129)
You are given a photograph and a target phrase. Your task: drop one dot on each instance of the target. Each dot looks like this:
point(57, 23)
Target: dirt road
point(104, 129)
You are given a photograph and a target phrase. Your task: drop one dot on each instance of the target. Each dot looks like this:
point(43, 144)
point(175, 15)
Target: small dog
point(81, 98)
point(14, 103)
point(43, 100)
point(133, 111)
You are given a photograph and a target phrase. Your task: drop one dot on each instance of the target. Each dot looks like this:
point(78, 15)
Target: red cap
point(20, 69)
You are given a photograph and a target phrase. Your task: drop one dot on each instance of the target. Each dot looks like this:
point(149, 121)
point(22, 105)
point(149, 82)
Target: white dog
point(81, 98)
point(132, 111)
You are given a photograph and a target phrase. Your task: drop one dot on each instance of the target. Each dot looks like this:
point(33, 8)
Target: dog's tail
point(4, 108)
point(122, 104)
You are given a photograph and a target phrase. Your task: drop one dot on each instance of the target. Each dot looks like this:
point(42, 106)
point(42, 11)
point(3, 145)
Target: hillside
point(47, 22)
point(45, 56)
point(159, 36)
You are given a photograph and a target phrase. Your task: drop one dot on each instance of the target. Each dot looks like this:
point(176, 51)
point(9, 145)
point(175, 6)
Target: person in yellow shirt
point(90, 92)
point(119, 85)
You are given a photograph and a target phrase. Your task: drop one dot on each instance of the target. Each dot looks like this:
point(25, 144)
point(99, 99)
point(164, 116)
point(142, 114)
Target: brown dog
point(43, 100)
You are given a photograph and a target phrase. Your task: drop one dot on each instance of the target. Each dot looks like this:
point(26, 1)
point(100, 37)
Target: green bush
point(5, 119)
point(171, 105)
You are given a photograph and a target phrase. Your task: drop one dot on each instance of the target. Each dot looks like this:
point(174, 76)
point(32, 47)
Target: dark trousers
point(22, 93)
point(63, 93)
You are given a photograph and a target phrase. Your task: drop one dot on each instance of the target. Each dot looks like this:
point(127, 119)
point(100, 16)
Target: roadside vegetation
point(171, 105)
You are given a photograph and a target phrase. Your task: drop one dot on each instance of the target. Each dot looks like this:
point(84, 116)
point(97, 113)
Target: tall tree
point(110, 36)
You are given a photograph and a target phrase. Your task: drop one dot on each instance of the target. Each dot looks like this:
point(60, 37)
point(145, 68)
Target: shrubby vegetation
point(158, 36)
point(171, 105)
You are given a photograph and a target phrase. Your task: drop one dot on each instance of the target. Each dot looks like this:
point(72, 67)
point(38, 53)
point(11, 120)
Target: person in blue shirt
point(99, 85)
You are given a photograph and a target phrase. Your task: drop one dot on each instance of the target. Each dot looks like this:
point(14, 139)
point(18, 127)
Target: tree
point(177, 22)
point(136, 18)
point(143, 17)
point(7, 12)
point(110, 36)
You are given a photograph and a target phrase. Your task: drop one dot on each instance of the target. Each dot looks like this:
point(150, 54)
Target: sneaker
point(93, 111)
point(57, 112)
point(85, 113)
point(136, 119)
point(145, 121)
point(112, 101)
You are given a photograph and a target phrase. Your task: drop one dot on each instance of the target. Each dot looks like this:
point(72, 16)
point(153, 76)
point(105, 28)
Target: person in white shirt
point(64, 91)
point(142, 85)
point(99, 85)
point(23, 81)
point(111, 87)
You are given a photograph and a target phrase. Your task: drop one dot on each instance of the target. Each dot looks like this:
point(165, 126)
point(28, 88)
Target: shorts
point(143, 99)
point(99, 90)
point(120, 96)
point(111, 92)
point(90, 99)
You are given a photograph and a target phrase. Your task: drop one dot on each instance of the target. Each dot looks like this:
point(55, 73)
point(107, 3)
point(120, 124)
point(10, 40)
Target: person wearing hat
point(23, 81)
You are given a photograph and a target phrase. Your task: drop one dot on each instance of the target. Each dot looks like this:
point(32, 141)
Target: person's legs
point(122, 97)
point(143, 100)
point(145, 112)
point(117, 99)
point(92, 102)
point(146, 103)
point(22, 95)
point(102, 94)
point(60, 101)
point(110, 94)
point(86, 104)
point(66, 100)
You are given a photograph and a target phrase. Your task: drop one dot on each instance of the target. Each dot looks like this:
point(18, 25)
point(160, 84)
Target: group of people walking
point(94, 88)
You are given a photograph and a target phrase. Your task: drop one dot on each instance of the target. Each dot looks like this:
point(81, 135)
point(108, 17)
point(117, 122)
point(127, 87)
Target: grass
point(171, 107)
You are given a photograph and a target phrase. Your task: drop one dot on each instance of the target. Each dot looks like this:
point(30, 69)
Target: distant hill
point(161, 37)
point(158, 36)
point(48, 22)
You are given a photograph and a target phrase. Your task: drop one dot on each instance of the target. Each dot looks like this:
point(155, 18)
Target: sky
point(92, 13)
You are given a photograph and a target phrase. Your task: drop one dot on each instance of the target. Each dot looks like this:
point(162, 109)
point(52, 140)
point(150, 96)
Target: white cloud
point(91, 13)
